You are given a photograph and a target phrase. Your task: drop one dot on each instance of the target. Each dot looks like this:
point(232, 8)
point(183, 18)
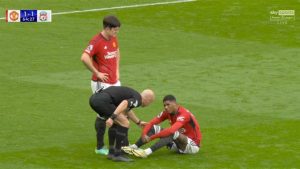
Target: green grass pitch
point(226, 61)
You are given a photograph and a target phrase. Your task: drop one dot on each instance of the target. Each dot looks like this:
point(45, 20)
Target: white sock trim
point(176, 135)
point(148, 151)
point(133, 146)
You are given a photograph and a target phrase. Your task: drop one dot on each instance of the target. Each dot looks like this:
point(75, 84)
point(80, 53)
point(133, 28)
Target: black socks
point(100, 130)
point(112, 138)
point(121, 138)
point(162, 142)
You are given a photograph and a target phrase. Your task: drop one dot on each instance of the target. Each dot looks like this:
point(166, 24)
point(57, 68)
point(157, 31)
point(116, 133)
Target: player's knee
point(176, 135)
point(123, 121)
point(172, 147)
point(112, 130)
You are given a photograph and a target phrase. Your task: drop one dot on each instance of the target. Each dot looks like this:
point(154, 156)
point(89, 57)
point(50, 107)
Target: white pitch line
point(120, 7)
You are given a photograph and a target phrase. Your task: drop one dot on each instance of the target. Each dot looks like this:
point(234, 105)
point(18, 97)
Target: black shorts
point(102, 104)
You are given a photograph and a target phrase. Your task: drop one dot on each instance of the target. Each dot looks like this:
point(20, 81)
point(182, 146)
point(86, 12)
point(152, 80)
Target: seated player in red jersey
point(183, 136)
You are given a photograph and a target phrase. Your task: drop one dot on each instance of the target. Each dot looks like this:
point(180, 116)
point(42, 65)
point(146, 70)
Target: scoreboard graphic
point(28, 15)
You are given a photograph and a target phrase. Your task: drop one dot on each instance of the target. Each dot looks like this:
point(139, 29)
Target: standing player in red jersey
point(183, 136)
point(102, 58)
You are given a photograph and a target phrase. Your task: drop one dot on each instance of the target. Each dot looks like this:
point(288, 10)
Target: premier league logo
point(43, 16)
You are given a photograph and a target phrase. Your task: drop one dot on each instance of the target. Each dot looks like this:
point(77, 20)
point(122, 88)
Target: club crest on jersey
point(180, 118)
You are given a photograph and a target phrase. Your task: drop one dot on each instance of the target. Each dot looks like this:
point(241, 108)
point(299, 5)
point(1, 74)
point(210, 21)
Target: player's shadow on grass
point(83, 156)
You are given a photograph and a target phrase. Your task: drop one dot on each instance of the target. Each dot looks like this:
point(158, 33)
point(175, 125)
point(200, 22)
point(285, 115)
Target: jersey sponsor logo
point(111, 55)
point(89, 48)
point(105, 47)
point(180, 118)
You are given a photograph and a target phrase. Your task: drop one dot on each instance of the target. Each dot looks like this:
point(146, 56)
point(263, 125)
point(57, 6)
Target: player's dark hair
point(169, 98)
point(111, 21)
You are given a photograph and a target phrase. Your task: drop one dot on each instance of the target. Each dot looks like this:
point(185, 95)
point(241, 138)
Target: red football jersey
point(184, 121)
point(104, 56)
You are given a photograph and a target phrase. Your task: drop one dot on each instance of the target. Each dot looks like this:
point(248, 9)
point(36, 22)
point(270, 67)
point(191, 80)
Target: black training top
point(120, 93)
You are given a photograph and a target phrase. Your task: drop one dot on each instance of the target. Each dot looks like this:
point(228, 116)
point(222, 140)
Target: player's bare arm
point(120, 109)
point(122, 120)
point(145, 138)
point(86, 59)
point(135, 119)
point(118, 63)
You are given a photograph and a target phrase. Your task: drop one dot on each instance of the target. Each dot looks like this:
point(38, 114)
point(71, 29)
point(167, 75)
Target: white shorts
point(191, 147)
point(95, 85)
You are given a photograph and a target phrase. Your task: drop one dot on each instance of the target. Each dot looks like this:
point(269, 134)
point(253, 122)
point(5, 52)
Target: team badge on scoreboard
point(13, 15)
point(44, 16)
point(28, 15)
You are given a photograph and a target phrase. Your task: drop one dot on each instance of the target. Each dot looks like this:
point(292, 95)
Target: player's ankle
point(148, 151)
point(134, 146)
point(111, 150)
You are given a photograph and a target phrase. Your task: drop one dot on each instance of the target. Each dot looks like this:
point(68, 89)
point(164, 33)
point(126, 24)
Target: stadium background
point(226, 61)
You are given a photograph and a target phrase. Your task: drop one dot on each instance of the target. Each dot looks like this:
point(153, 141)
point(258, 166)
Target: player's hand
point(109, 122)
point(102, 76)
point(143, 124)
point(145, 139)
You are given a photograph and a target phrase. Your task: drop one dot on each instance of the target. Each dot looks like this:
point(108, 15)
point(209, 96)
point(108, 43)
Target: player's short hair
point(169, 98)
point(111, 21)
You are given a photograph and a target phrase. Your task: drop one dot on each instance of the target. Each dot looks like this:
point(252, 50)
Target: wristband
point(139, 122)
point(113, 116)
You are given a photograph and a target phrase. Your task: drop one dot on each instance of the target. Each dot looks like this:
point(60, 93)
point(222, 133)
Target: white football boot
point(128, 149)
point(139, 153)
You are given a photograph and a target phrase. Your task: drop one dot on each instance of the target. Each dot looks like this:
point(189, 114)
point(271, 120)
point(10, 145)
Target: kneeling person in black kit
point(115, 104)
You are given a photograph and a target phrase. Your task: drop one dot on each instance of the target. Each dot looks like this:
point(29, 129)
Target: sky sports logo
point(28, 15)
point(283, 12)
point(282, 16)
